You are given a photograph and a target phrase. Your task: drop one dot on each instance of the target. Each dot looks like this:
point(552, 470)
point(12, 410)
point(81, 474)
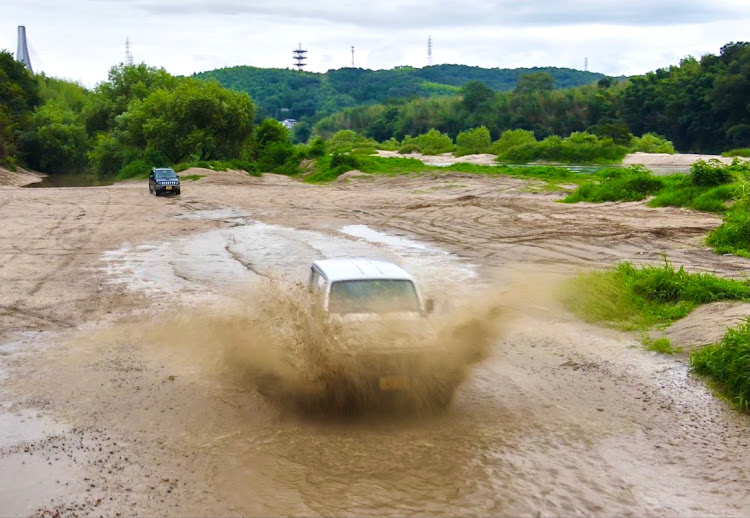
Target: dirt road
point(103, 415)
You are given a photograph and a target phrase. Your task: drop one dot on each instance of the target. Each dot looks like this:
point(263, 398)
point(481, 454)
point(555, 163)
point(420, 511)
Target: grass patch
point(728, 365)
point(328, 168)
point(220, 165)
point(661, 345)
point(733, 236)
point(630, 297)
point(192, 177)
point(617, 184)
point(743, 152)
point(578, 148)
point(680, 191)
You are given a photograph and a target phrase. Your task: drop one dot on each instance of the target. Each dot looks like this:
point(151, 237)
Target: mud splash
point(267, 337)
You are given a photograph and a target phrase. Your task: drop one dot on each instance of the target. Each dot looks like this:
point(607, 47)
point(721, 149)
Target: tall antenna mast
point(586, 65)
point(300, 55)
point(352, 56)
point(128, 54)
point(22, 54)
point(429, 51)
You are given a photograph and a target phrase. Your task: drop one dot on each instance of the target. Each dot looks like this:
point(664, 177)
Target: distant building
point(289, 123)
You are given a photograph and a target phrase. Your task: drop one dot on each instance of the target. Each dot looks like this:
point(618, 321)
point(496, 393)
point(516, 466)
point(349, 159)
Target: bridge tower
point(22, 54)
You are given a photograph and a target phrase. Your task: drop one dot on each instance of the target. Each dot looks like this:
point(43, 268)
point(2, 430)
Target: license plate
point(394, 383)
point(169, 187)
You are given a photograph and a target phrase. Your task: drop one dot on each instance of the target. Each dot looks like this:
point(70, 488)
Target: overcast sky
point(82, 39)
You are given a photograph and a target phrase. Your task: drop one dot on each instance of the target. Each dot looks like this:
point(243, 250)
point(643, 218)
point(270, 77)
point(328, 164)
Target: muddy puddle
point(227, 259)
point(161, 417)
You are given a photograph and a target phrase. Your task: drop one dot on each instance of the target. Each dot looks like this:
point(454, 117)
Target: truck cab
point(357, 289)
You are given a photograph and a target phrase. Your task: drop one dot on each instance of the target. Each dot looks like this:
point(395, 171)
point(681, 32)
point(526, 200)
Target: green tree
point(512, 138)
point(126, 83)
point(473, 141)
point(57, 141)
point(475, 95)
point(196, 120)
point(19, 96)
point(535, 82)
point(302, 132)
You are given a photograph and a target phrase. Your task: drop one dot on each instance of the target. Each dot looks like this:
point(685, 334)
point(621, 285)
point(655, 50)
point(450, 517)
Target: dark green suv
point(163, 180)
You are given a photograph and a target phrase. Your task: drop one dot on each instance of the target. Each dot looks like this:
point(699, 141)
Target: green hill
point(284, 93)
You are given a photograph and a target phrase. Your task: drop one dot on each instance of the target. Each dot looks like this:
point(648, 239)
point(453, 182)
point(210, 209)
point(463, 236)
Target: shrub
point(135, 169)
point(652, 143)
point(728, 364)
point(390, 145)
point(711, 173)
point(341, 160)
point(743, 152)
point(316, 148)
point(637, 297)
point(512, 138)
point(434, 143)
point(473, 141)
point(578, 148)
point(733, 236)
point(631, 184)
point(345, 141)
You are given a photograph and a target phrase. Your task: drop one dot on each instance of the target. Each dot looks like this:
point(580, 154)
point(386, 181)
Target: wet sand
point(563, 418)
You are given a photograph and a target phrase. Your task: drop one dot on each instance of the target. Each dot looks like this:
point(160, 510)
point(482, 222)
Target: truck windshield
point(373, 296)
point(165, 173)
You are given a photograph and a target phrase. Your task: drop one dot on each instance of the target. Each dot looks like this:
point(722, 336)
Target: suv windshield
point(165, 173)
point(373, 296)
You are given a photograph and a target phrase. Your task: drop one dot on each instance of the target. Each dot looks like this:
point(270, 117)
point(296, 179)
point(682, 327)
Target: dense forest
point(309, 96)
point(143, 116)
point(701, 105)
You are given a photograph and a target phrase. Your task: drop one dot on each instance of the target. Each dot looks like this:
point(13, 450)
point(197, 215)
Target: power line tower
point(352, 56)
point(300, 55)
point(128, 54)
point(586, 65)
point(429, 51)
point(22, 54)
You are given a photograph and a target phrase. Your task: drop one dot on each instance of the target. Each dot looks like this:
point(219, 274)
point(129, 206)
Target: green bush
point(652, 143)
point(578, 148)
point(728, 364)
point(512, 138)
point(633, 297)
point(711, 173)
point(615, 184)
point(406, 149)
point(473, 141)
point(135, 169)
point(390, 145)
point(743, 152)
point(345, 141)
point(316, 148)
point(733, 236)
point(341, 160)
point(434, 143)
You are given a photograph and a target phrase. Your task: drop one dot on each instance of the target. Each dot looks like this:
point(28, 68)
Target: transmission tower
point(300, 56)
point(352, 56)
point(586, 65)
point(22, 54)
point(128, 54)
point(429, 51)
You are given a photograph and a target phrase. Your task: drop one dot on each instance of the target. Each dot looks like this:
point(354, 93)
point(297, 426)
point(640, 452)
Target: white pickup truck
point(369, 323)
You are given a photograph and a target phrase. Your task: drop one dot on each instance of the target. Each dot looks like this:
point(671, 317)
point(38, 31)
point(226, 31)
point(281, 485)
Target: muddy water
point(560, 419)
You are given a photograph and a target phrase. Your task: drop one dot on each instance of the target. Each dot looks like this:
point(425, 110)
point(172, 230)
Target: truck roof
point(359, 269)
